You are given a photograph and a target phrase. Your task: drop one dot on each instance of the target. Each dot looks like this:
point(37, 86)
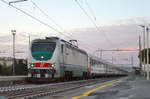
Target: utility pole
point(28, 50)
point(140, 54)
point(132, 61)
point(112, 59)
point(101, 53)
point(143, 26)
point(13, 33)
point(147, 30)
point(29, 40)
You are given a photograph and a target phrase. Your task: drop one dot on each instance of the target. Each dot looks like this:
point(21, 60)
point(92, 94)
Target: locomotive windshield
point(42, 50)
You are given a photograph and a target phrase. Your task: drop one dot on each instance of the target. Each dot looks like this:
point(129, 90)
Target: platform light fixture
point(13, 33)
point(147, 31)
point(143, 27)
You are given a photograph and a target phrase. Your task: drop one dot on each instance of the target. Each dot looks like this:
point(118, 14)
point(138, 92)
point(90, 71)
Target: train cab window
point(62, 48)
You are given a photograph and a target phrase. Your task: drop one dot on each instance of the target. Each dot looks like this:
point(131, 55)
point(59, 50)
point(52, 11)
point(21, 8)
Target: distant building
point(8, 61)
point(22, 60)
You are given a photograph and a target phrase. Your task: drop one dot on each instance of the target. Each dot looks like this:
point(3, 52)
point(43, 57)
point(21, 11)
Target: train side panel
point(96, 66)
point(75, 62)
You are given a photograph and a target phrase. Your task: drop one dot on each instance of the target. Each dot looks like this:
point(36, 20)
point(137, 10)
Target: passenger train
point(54, 58)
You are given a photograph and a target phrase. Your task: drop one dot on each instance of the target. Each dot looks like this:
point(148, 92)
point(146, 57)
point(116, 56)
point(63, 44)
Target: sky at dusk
point(116, 20)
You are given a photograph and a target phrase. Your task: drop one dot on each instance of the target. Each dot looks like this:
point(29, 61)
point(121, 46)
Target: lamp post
point(101, 53)
point(13, 33)
point(132, 64)
point(143, 26)
point(147, 31)
point(140, 54)
point(28, 49)
point(112, 60)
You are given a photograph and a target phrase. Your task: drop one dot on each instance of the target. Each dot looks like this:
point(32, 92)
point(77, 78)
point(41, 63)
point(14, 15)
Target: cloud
point(135, 20)
point(115, 36)
point(123, 34)
point(109, 37)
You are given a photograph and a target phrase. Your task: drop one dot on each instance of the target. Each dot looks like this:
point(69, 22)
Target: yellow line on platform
point(98, 88)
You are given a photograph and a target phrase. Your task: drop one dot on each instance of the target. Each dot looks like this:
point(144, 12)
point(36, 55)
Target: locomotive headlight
point(42, 57)
point(32, 65)
point(53, 65)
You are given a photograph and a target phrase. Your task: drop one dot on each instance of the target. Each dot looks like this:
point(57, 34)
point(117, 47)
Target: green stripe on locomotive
point(39, 54)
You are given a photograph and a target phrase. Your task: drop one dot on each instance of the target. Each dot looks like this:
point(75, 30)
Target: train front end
point(42, 59)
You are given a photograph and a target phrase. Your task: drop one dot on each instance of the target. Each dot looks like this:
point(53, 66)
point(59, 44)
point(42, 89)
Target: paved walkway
point(134, 88)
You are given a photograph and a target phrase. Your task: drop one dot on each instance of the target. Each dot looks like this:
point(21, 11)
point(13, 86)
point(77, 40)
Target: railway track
point(37, 91)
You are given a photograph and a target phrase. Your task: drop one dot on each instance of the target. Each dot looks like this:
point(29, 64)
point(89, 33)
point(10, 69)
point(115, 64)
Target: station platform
point(133, 87)
point(136, 87)
point(11, 80)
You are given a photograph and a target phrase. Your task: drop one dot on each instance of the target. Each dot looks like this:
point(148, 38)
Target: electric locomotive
point(55, 58)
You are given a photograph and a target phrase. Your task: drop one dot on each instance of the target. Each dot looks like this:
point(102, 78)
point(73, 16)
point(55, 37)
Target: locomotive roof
point(73, 46)
point(46, 39)
point(66, 42)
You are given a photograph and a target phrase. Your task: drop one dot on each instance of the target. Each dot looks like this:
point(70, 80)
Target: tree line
point(143, 55)
point(20, 69)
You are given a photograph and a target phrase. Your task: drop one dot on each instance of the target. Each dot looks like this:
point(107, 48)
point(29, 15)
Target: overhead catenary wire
point(93, 22)
point(44, 13)
point(38, 20)
point(44, 23)
point(47, 25)
point(90, 9)
point(51, 19)
point(86, 13)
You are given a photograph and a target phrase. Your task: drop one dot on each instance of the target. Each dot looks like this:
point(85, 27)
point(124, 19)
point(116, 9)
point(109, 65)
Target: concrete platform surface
point(12, 78)
point(132, 88)
point(136, 87)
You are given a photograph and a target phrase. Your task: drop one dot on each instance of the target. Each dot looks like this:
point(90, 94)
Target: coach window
point(96, 63)
point(99, 64)
point(62, 48)
point(102, 66)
